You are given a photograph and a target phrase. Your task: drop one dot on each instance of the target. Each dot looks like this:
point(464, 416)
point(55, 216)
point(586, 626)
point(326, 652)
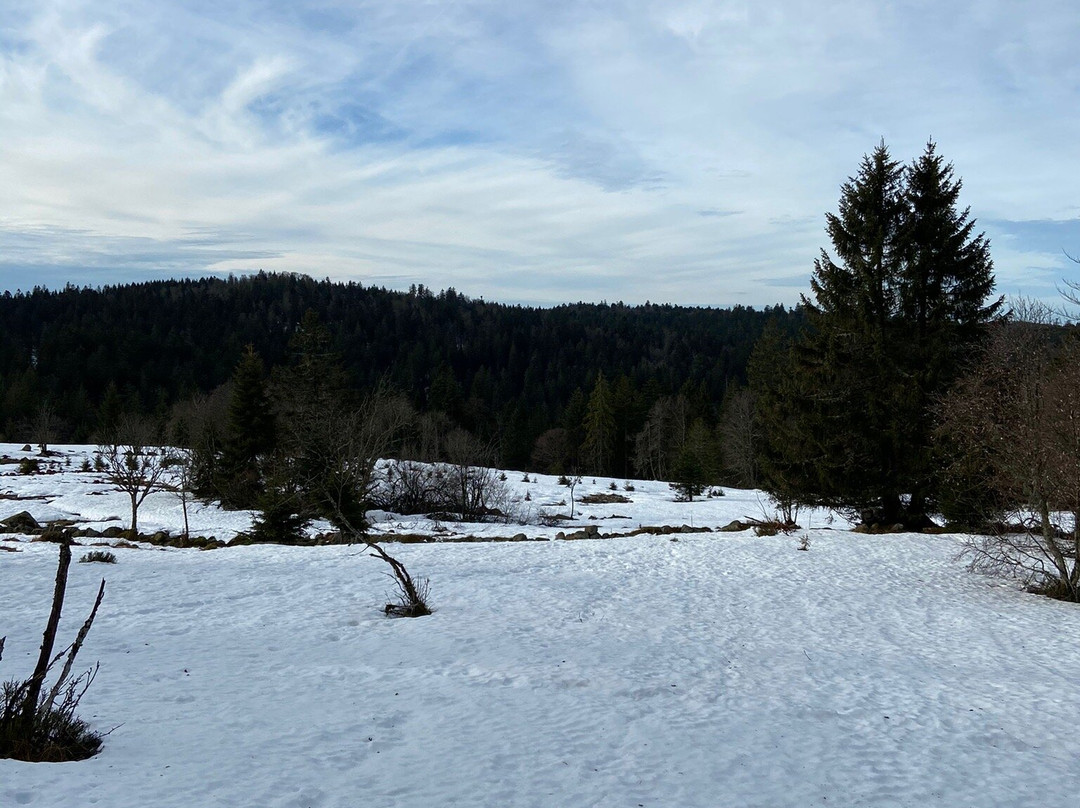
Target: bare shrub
point(549, 519)
point(474, 488)
point(98, 556)
point(39, 723)
point(408, 487)
point(1013, 423)
point(411, 597)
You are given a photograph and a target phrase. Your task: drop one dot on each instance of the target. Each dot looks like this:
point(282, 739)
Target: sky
point(526, 152)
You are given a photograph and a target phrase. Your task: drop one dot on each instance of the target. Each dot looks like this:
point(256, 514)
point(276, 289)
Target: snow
point(702, 669)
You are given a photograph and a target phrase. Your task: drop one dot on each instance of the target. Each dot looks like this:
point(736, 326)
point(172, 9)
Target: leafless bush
point(411, 596)
point(39, 723)
point(408, 486)
point(550, 519)
point(98, 556)
point(1015, 420)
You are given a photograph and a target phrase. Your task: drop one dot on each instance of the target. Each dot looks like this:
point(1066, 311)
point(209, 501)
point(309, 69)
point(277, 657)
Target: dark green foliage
point(690, 476)
point(250, 434)
point(695, 465)
point(109, 413)
point(599, 427)
point(283, 505)
point(511, 372)
point(845, 407)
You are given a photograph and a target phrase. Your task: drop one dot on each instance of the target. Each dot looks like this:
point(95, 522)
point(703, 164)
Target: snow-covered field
point(704, 669)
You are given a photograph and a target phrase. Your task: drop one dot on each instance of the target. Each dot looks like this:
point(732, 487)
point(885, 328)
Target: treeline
point(72, 361)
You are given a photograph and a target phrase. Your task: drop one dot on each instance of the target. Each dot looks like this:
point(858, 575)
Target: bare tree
point(473, 484)
point(740, 438)
point(339, 449)
point(551, 452)
point(572, 482)
point(658, 444)
point(1016, 418)
point(181, 462)
point(45, 425)
point(134, 463)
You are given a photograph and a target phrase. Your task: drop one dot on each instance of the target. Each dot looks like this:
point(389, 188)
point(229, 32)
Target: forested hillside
point(507, 373)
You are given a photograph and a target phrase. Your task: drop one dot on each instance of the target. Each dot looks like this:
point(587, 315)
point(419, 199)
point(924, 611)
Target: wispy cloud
point(675, 151)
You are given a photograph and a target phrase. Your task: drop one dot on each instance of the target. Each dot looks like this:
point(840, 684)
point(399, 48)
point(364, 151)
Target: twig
point(75, 646)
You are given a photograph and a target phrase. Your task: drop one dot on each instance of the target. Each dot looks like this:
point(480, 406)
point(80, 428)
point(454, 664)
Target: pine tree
point(887, 326)
point(109, 413)
point(695, 464)
point(250, 434)
point(599, 428)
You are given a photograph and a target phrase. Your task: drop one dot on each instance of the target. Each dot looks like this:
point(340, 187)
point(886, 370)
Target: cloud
point(681, 151)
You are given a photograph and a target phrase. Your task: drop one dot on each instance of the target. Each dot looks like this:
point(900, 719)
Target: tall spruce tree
point(250, 434)
point(596, 451)
point(889, 321)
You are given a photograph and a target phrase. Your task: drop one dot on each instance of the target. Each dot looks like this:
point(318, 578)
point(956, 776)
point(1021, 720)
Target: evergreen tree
point(948, 277)
point(846, 407)
point(109, 413)
point(250, 434)
point(599, 428)
point(573, 423)
point(695, 464)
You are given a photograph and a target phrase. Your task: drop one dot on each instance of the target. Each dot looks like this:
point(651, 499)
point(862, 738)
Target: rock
point(22, 522)
point(114, 532)
point(734, 527)
point(56, 536)
point(520, 537)
point(26, 448)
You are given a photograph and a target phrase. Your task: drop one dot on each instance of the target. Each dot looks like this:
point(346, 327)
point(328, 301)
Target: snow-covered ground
point(704, 669)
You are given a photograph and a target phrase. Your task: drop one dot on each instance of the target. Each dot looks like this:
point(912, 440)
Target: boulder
point(734, 527)
point(21, 522)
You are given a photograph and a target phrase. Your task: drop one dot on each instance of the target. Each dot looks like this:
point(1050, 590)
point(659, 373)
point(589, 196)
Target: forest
point(78, 357)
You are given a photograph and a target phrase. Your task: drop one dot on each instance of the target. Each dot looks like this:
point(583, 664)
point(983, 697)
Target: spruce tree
point(250, 434)
point(889, 321)
point(109, 413)
point(599, 427)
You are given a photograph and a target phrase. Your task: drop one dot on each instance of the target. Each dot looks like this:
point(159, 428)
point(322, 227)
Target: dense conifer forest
point(506, 373)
